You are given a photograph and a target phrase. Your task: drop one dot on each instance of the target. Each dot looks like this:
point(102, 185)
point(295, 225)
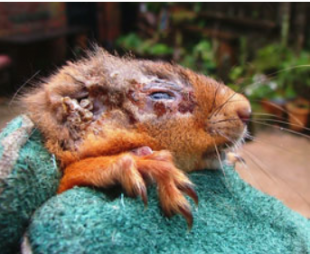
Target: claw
point(138, 191)
point(132, 180)
point(240, 159)
point(189, 191)
point(233, 158)
point(143, 195)
point(187, 214)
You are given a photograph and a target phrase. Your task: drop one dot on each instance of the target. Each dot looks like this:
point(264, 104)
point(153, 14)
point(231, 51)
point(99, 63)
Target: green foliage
point(131, 41)
point(274, 73)
point(296, 70)
point(261, 88)
point(159, 49)
point(271, 58)
point(156, 7)
point(197, 6)
point(134, 43)
point(200, 57)
point(172, 43)
point(236, 73)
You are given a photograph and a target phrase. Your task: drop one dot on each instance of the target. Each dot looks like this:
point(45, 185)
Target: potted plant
point(298, 111)
point(296, 77)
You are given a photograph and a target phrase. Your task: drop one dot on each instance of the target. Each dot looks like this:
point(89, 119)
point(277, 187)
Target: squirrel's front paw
point(130, 170)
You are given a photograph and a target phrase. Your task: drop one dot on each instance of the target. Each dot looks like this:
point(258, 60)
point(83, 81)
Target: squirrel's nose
point(242, 108)
point(244, 113)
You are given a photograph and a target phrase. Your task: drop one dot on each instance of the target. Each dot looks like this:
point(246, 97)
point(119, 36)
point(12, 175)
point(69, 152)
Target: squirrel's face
point(188, 113)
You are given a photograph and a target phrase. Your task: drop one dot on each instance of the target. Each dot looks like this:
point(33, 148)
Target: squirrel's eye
point(161, 96)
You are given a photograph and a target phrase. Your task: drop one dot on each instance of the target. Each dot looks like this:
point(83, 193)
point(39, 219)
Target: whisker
point(281, 128)
point(253, 159)
point(219, 108)
point(255, 139)
point(225, 136)
point(280, 108)
point(275, 179)
point(22, 86)
point(225, 120)
point(280, 147)
point(260, 141)
point(219, 157)
point(266, 114)
point(234, 146)
point(244, 165)
point(215, 94)
point(240, 90)
point(284, 122)
point(271, 76)
point(266, 78)
point(226, 183)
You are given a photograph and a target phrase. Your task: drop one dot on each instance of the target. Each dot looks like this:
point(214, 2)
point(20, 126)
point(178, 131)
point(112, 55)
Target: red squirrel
point(112, 120)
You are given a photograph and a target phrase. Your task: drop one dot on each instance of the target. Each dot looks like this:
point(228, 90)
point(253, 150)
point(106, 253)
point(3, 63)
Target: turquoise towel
point(232, 217)
point(28, 177)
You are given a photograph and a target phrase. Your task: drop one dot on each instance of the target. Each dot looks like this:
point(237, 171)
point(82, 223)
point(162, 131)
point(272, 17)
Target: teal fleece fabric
point(232, 217)
point(34, 179)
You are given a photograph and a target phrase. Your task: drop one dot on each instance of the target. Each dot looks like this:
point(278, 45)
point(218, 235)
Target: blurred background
point(259, 49)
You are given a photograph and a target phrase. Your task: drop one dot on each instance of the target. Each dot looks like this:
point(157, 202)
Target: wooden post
point(285, 22)
point(300, 24)
point(108, 23)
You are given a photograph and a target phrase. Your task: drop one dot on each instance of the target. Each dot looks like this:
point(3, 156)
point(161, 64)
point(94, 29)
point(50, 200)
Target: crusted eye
point(161, 96)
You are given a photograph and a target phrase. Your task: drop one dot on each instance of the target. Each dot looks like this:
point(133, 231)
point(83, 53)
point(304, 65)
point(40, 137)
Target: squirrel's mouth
point(229, 137)
point(218, 154)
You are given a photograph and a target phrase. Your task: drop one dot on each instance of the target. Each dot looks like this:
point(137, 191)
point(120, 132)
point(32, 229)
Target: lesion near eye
point(161, 95)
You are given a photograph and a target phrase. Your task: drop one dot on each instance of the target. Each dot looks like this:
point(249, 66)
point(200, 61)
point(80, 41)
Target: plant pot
point(298, 112)
point(274, 107)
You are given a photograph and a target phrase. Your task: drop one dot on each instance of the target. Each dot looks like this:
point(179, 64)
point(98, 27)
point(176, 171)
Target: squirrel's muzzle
point(244, 112)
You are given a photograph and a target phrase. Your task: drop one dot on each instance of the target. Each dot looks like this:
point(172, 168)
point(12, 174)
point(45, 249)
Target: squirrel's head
point(188, 113)
point(182, 111)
